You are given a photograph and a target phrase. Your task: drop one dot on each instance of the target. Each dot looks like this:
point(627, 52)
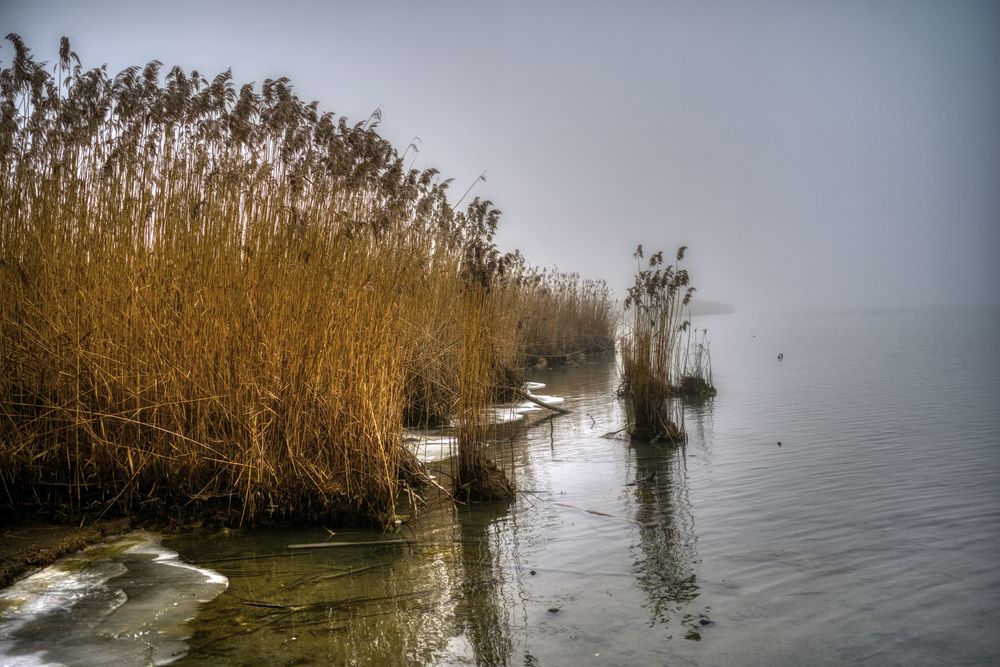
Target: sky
point(812, 155)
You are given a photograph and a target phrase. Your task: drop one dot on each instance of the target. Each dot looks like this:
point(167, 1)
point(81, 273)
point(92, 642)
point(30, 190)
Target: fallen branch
point(558, 356)
point(528, 397)
point(327, 604)
point(433, 482)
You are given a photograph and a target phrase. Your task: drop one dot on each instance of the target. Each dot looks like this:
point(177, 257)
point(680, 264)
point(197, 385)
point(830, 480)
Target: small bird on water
point(781, 355)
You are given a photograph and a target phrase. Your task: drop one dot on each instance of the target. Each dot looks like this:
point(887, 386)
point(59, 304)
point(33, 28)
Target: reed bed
point(562, 314)
point(653, 349)
point(218, 299)
point(478, 476)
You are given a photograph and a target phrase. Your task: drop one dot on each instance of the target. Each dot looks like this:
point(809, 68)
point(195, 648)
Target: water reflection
point(485, 607)
point(325, 606)
point(856, 541)
point(699, 421)
point(665, 555)
point(449, 597)
point(596, 556)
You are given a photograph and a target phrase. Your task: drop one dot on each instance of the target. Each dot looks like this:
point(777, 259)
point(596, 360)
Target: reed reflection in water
point(595, 557)
point(665, 552)
point(485, 608)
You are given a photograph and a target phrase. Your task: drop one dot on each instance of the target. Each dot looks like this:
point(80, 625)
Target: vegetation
point(696, 367)
point(563, 314)
point(660, 360)
point(219, 298)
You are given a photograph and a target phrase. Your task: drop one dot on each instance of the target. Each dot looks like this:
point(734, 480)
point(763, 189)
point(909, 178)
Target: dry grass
point(221, 298)
point(654, 350)
point(696, 367)
point(563, 314)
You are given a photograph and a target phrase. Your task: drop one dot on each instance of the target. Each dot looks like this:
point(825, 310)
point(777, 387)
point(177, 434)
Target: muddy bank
point(26, 547)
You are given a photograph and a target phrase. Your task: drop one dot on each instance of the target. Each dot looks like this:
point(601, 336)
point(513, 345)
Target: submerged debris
point(333, 545)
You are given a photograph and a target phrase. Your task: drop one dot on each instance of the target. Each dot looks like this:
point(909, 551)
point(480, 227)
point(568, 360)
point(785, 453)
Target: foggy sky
point(811, 154)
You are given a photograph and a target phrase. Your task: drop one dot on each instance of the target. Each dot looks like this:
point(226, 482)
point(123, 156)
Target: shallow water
point(869, 536)
point(124, 602)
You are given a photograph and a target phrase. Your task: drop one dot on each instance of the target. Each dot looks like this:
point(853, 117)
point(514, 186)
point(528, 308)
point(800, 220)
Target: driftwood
point(233, 559)
point(548, 406)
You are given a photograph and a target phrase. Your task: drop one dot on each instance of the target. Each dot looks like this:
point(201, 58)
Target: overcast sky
point(811, 154)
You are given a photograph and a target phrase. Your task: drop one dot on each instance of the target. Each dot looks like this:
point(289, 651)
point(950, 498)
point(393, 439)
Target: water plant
point(563, 314)
point(696, 367)
point(652, 344)
point(219, 298)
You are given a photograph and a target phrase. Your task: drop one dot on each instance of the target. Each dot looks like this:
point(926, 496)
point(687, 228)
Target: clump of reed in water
point(652, 345)
point(478, 477)
point(696, 367)
point(216, 296)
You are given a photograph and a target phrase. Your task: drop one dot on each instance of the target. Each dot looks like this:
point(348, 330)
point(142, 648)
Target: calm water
point(869, 536)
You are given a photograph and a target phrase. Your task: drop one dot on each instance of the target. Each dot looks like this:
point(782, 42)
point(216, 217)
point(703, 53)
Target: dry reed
point(222, 299)
point(653, 349)
point(562, 314)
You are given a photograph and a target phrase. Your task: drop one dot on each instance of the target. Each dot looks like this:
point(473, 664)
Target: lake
point(869, 535)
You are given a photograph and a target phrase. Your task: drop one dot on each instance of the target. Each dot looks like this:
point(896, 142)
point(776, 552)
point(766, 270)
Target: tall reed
point(220, 298)
point(563, 314)
point(652, 347)
point(696, 367)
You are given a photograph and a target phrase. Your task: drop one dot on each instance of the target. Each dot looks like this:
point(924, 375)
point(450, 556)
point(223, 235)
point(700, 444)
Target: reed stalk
point(652, 348)
point(219, 299)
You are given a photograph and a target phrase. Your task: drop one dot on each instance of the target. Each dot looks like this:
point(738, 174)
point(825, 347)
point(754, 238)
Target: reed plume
point(220, 298)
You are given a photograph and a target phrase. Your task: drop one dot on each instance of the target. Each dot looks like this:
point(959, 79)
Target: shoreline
point(34, 545)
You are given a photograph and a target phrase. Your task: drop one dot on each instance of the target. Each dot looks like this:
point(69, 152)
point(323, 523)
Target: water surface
point(126, 601)
point(868, 536)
